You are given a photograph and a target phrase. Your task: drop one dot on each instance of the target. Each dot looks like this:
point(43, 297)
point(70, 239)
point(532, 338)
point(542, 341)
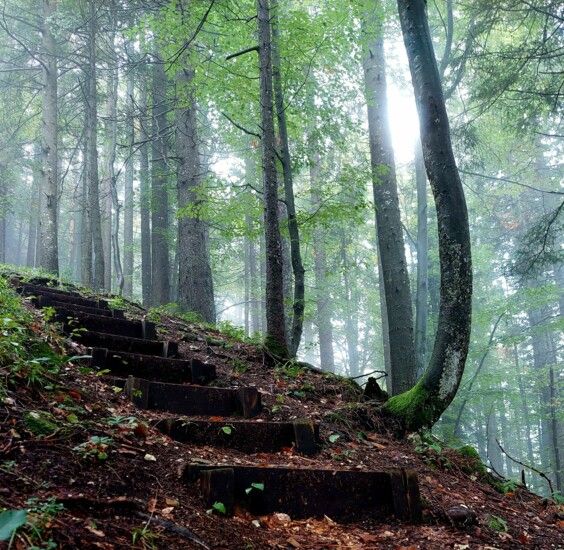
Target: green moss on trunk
point(416, 408)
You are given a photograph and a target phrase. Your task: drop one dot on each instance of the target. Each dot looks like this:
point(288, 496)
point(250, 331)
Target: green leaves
point(254, 486)
point(10, 520)
point(333, 438)
point(219, 507)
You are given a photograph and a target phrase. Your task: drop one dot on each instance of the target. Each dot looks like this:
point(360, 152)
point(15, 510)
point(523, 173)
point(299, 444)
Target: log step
point(45, 300)
point(62, 296)
point(193, 400)
point(116, 342)
point(74, 320)
point(343, 495)
point(246, 436)
point(163, 369)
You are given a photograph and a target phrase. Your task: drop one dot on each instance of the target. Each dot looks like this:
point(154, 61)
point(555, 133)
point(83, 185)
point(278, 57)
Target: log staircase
point(155, 377)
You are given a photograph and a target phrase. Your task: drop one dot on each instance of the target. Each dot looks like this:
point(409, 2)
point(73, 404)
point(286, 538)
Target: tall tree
point(95, 226)
point(49, 142)
point(298, 270)
point(195, 282)
point(395, 277)
point(160, 255)
point(274, 303)
point(425, 402)
point(128, 194)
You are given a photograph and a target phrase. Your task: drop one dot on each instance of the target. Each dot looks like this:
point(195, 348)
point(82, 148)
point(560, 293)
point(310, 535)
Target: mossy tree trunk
point(427, 400)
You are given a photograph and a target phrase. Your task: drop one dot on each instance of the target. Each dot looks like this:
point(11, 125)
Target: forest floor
point(123, 490)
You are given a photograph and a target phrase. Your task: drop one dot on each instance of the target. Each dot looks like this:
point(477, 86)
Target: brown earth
point(134, 498)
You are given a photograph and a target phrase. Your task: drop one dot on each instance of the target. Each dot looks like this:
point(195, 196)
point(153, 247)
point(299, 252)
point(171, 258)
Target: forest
point(371, 191)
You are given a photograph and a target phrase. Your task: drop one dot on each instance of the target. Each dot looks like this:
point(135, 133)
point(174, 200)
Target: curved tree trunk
point(391, 247)
point(274, 304)
point(425, 402)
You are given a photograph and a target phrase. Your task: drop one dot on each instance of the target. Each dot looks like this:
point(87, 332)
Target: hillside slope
point(94, 471)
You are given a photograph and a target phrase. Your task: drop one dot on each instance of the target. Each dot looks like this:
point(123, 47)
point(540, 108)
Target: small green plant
point(227, 430)
point(10, 522)
point(49, 313)
point(497, 524)
point(123, 421)
point(39, 517)
point(254, 487)
point(144, 537)
point(290, 369)
point(96, 447)
point(239, 366)
point(333, 438)
point(219, 507)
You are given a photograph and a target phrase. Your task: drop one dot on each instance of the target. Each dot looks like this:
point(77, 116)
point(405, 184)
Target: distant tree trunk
point(195, 282)
point(350, 317)
point(422, 296)
point(323, 298)
point(50, 181)
point(293, 229)
point(34, 208)
point(425, 403)
point(160, 271)
point(494, 452)
point(3, 210)
point(128, 195)
point(391, 246)
point(544, 359)
point(524, 406)
point(274, 303)
point(85, 232)
point(145, 193)
point(92, 141)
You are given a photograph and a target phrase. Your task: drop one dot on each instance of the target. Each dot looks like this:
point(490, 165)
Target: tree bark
point(98, 275)
point(323, 299)
point(298, 304)
point(422, 295)
point(128, 195)
point(160, 268)
point(145, 193)
point(34, 209)
point(351, 318)
point(195, 282)
point(425, 403)
point(389, 229)
point(50, 180)
point(274, 304)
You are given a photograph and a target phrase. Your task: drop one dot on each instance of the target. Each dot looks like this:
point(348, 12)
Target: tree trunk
point(323, 299)
point(298, 304)
point(388, 220)
point(145, 193)
point(128, 195)
point(50, 180)
point(425, 403)
point(351, 319)
point(195, 282)
point(274, 303)
point(422, 296)
point(160, 269)
point(34, 209)
point(98, 275)
point(110, 153)
point(85, 233)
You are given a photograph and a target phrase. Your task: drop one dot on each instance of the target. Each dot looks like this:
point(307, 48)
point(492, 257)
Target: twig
point(174, 528)
point(242, 52)
point(383, 373)
point(532, 468)
point(242, 128)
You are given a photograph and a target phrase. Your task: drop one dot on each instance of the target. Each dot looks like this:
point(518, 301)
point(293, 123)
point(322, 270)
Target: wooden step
point(244, 435)
point(150, 367)
point(44, 300)
point(116, 342)
point(66, 297)
point(193, 400)
point(74, 320)
point(342, 495)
